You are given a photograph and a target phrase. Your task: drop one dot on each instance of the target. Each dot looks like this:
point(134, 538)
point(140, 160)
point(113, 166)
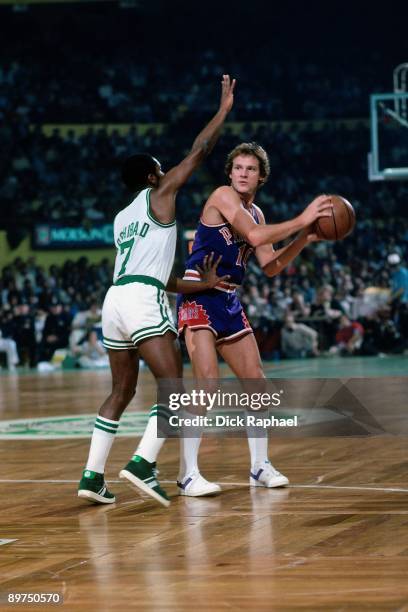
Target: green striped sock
point(161, 410)
point(106, 425)
point(102, 440)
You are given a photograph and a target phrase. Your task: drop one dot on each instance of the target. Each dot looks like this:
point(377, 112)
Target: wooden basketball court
point(335, 539)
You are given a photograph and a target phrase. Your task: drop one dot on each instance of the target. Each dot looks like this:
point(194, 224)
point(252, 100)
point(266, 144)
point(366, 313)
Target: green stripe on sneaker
point(150, 479)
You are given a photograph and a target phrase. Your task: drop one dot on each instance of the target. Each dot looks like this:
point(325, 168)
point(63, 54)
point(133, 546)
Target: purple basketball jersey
point(221, 240)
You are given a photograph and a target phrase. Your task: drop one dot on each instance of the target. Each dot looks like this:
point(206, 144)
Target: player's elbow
point(270, 273)
point(254, 237)
point(272, 268)
point(200, 149)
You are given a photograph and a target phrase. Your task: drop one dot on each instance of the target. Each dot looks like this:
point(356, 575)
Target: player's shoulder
point(225, 194)
point(137, 199)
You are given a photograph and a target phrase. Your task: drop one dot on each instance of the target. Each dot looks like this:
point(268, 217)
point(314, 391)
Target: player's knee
point(206, 371)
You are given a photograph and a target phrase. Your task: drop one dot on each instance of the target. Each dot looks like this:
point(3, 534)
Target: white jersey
point(145, 247)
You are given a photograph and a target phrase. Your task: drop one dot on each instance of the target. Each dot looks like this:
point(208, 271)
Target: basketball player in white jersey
point(136, 318)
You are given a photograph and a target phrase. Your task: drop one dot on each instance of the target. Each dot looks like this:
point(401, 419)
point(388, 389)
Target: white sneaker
point(196, 486)
point(45, 366)
point(265, 475)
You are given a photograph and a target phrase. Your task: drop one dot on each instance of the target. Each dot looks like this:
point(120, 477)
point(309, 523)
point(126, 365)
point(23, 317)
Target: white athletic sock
point(101, 443)
point(188, 457)
point(189, 447)
point(258, 446)
point(150, 445)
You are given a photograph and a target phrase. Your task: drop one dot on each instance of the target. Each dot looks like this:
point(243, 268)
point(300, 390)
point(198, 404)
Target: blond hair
point(250, 148)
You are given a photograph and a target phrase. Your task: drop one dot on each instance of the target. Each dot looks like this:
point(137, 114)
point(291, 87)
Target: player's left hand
point(208, 271)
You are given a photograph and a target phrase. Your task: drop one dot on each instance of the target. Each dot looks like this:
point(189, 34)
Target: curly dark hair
point(136, 169)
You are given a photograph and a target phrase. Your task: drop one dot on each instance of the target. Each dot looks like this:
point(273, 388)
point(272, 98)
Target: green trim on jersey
point(153, 334)
point(139, 278)
point(116, 341)
point(160, 300)
point(113, 347)
point(117, 345)
point(151, 216)
point(155, 330)
point(147, 331)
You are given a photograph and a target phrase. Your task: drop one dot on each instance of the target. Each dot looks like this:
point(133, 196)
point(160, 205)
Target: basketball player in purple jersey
point(233, 227)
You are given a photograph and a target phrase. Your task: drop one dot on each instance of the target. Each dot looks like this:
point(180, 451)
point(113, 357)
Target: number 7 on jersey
point(128, 245)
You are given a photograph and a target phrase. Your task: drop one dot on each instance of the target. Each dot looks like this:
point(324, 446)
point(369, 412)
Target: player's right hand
point(319, 207)
point(227, 93)
point(209, 271)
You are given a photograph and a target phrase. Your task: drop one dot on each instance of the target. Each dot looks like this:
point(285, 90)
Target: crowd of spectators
point(113, 72)
point(344, 298)
point(117, 76)
point(75, 179)
point(58, 309)
point(347, 298)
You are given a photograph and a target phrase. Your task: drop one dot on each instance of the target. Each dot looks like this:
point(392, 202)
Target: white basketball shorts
point(134, 312)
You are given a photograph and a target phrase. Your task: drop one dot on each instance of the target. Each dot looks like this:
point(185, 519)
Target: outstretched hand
point(227, 93)
point(208, 271)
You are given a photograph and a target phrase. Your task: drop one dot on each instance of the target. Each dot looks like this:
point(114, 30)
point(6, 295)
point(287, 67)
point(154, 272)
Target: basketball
point(341, 222)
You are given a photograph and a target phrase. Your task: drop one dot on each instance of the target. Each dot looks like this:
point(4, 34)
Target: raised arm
point(228, 204)
point(163, 198)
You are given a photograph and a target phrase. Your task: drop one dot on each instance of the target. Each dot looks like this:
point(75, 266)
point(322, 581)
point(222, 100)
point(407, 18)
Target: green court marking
point(78, 426)
point(338, 367)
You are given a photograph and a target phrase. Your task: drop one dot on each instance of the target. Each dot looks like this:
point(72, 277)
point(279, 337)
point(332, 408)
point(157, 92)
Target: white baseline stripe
point(348, 488)
point(47, 481)
point(359, 488)
point(231, 484)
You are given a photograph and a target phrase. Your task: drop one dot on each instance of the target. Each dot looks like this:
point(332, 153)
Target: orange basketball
point(340, 223)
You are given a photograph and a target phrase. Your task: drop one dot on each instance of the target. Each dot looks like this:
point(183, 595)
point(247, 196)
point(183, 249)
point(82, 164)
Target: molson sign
point(54, 236)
